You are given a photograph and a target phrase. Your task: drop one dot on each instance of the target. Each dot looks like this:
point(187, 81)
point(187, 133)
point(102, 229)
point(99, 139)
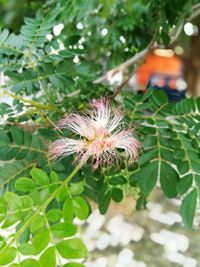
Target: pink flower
point(101, 135)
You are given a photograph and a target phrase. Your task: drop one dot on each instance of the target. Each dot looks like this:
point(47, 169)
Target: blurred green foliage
point(12, 12)
point(47, 77)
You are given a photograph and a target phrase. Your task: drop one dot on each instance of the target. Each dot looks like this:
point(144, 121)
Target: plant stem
point(42, 207)
point(31, 102)
point(51, 122)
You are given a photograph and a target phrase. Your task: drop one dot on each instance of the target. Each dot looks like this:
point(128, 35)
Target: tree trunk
point(192, 66)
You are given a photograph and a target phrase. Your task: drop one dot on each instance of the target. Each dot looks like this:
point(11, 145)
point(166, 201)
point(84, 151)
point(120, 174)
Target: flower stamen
point(100, 136)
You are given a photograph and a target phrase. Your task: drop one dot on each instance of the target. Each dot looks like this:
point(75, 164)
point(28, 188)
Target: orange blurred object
point(157, 64)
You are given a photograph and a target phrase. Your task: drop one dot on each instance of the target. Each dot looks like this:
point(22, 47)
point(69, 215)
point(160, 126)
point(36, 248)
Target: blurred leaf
point(13, 201)
point(184, 184)
point(54, 215)
point(41, 241)
point(188, 208)
point(147, 177)
point(61, 230)
point(74, 264)
point(72, 249)
point(117, 194)
point(29, 262)
point(24, 184)
point(68, 210)
point(27, 249)
point(3, 210)
point(39, 176)
point(76, 188)
point(48, 258)
point(81, 209)
point(168, 180)
point(7, 256)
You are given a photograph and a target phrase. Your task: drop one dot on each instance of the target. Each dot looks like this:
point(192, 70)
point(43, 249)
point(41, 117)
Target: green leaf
point(81, 208)
point(24, 184)
point(165, 38)
point(168, 180)
point(9, 43)
point(197, 180)
point(3, 209)
point(76, 189)
point(147, 156)
point(30, 263)
point(44, 194)
point(117, 194)
point(4, 139)
point(141, 202)
point(188, 208)
point(149, 141)
point(33, 32)
point(13, 200)
point(54, 215)
point(10, 220)
point(159, 97)
point(61, 230)
point(117, 180)
point(48, 258)
point(39, 176)
point(179, 154)
point(35, 196)
point(17, 135)
point(7, 256)
point(27, 249)
point(72, 249)
point(26, 234)
point(74, 264)
point(62, 194)
point(147, 177)
point(27, 201)
point(68, 210)
point(184, 184)
point(10, 171)
point(104, 201)
point(22, 146)
point(41, 241)
point(37, 224)
point(54, 177)
point(2, 242)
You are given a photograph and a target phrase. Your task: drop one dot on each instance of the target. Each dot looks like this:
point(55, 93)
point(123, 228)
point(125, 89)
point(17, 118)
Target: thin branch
point(176, 34)
point(197, 6)
point(120, 87)
point(139, 62)
point(28, 127)
point(52, 123)
point(195, 14)
point(124, 65)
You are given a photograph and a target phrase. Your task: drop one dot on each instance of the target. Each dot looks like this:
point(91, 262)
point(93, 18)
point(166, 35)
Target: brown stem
point(124, 65)
point(120, 87)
